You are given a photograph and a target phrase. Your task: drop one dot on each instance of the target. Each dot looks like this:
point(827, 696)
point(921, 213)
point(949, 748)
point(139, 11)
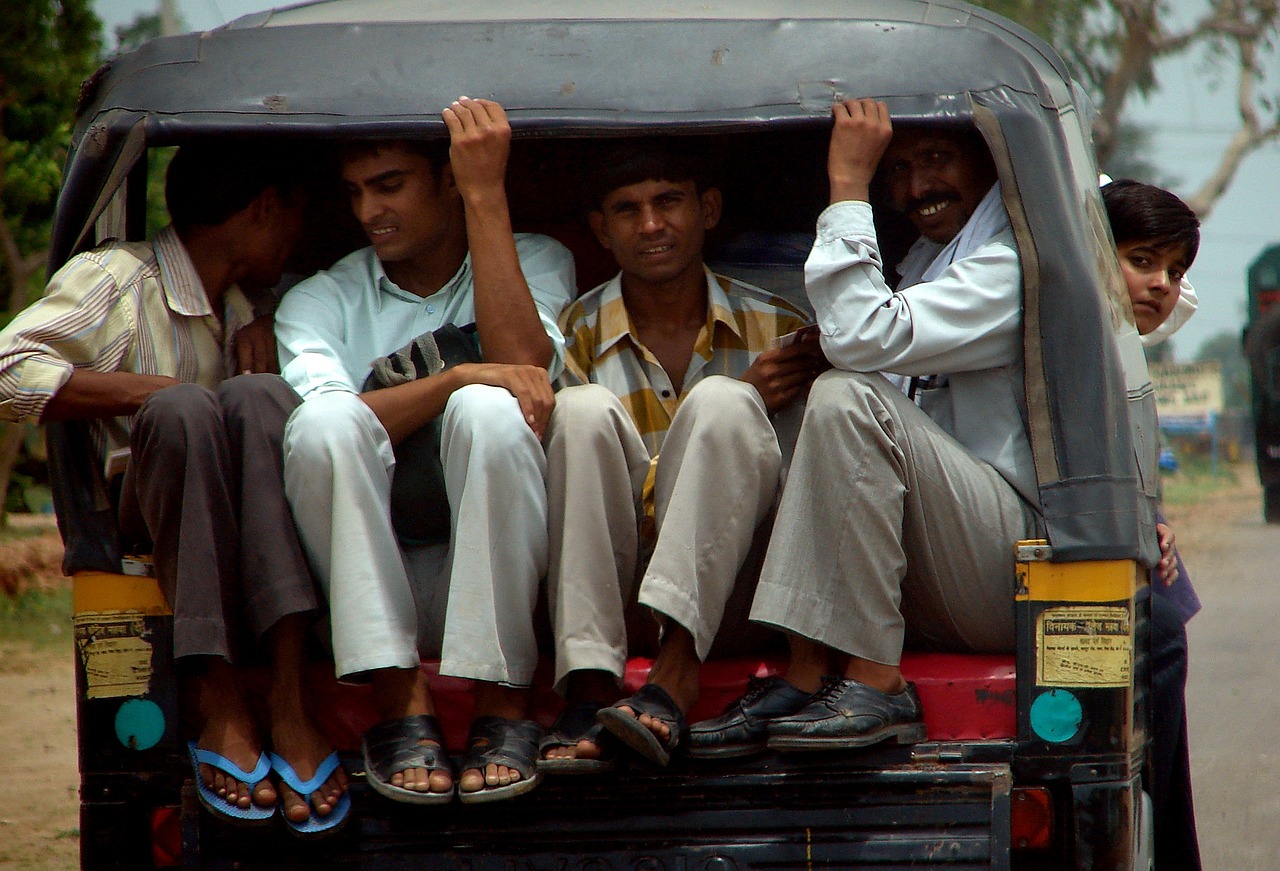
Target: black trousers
point(1176, 845)
point(205, 485)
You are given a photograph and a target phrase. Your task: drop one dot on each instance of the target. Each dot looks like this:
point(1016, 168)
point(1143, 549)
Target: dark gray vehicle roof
point(608, 67)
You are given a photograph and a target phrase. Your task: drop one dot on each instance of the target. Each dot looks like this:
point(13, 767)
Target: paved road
point(1232, 693)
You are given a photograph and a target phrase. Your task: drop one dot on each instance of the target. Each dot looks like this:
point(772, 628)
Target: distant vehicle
point(1262, 350)
point(1033, 761)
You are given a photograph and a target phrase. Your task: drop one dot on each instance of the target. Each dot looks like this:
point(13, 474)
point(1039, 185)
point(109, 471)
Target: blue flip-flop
point(219, 806)
point(315, 826)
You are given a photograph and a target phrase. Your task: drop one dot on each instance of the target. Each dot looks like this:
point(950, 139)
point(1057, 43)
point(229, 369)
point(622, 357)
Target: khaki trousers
point(716, 483)
point(890, 532)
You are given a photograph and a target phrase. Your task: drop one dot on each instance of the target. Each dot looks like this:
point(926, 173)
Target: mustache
point(928, 199)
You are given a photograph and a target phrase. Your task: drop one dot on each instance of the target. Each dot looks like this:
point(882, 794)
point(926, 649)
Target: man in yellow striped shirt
point(672, 375)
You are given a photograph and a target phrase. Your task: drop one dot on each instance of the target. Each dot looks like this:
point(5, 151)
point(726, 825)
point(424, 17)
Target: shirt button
point(666, 394)
point(431, 309)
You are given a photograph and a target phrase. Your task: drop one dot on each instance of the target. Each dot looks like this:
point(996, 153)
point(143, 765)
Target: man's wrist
point(485, 197)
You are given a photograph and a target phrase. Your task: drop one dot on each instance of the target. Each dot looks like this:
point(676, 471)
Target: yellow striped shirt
point(121, 307)
point(601, 347)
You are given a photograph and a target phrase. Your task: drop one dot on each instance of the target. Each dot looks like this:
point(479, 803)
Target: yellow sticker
point(1084, 647)
point(115, 653)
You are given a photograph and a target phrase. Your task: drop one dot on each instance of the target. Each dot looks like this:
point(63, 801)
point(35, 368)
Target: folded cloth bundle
point(419, 502)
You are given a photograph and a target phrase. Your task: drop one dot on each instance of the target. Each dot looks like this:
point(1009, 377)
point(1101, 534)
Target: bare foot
point(228, 730)
point(304, 748)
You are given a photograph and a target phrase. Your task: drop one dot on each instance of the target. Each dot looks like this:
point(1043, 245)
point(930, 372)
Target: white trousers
point(470, 602)
point(715, 483)
point(890, 531)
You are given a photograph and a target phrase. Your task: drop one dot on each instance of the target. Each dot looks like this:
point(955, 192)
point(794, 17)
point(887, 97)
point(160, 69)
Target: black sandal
point(653, 700)
point(499, 741)
point(395, 746)
point(578, 722)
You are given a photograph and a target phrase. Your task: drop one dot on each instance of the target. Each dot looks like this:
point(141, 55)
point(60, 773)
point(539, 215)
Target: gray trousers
point(890, 532)
point(715, 485)
point(205, 484)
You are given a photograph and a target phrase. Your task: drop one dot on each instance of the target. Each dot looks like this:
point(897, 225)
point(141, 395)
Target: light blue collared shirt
point(333, 325)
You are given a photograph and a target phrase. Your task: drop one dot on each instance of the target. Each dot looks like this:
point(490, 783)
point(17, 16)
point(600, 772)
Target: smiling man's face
point(937, 178)
point(400, 200)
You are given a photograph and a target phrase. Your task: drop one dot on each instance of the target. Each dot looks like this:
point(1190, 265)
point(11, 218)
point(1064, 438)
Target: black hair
point(1141, 212)
point(209, 182)
point(639, 160)
point(434, 150)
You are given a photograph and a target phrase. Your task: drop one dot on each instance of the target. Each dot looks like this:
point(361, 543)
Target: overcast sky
point(1190, 120)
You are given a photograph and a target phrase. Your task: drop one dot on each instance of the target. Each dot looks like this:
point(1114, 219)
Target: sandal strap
point(394, 746)
point(653, 700)
point(499, 741)
point(575, 723)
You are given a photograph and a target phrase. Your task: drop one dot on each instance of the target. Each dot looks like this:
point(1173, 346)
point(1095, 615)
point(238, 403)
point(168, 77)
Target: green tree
point(47, 48)
point(1115, 46)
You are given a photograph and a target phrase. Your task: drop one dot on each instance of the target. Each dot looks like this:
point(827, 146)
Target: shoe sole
point(399, 793)
point(907, 733)
point(726, 751)
point(500, 793)
point(577, 766)
point(630, 731)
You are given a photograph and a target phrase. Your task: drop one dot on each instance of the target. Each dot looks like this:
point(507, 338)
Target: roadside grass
point(35, 598)
point(38, 619)
point(1197, 481)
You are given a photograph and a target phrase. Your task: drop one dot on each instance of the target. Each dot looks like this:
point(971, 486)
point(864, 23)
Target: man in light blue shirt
point(442, 253)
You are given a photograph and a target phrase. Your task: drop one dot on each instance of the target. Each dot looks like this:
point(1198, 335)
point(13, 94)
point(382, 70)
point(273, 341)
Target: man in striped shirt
point(671, 377)
point(138, 338)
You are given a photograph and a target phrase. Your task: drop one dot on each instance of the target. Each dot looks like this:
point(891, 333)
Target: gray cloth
point(205, 486)
point(419, 504)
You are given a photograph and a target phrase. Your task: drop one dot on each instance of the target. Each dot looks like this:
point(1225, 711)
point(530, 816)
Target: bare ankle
point(496, 700)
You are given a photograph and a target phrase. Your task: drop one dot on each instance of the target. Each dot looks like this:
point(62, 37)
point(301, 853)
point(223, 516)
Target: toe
point(295, 808)
point(472, 780)
point(440, 781)
point(264, 794)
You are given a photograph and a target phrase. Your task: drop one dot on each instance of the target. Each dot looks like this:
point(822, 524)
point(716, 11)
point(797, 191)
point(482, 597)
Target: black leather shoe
point(846, 714)
point(743, 727)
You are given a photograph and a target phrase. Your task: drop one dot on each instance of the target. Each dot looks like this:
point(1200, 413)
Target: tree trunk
point(11, 435)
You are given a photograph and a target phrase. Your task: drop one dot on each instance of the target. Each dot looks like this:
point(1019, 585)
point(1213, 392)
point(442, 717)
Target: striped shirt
point(602, 348)
point(122, 307)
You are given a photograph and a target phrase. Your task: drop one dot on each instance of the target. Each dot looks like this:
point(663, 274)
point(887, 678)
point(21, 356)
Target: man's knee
point(585, 409)
point(842, 400)
point(251, 397)
point(328, 425)
point(175, 410)
point(486, 415)
point(724, 397)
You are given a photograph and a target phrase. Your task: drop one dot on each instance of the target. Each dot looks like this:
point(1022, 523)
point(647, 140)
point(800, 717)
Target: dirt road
point(1234, 648)
point(39, 828)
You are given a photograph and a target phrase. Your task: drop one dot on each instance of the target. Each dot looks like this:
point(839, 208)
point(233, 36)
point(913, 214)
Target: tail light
point(1031, 817)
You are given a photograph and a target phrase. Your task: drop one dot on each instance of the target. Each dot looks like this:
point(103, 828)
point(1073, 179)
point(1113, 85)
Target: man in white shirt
point(898, 520)
point(442, 253)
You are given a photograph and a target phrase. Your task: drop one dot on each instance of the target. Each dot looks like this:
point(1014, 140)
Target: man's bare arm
point(88, 394)
point(405, 408)
point(506, 317)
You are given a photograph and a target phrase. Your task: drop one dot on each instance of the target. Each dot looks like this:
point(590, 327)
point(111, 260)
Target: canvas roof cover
point(578, 67)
